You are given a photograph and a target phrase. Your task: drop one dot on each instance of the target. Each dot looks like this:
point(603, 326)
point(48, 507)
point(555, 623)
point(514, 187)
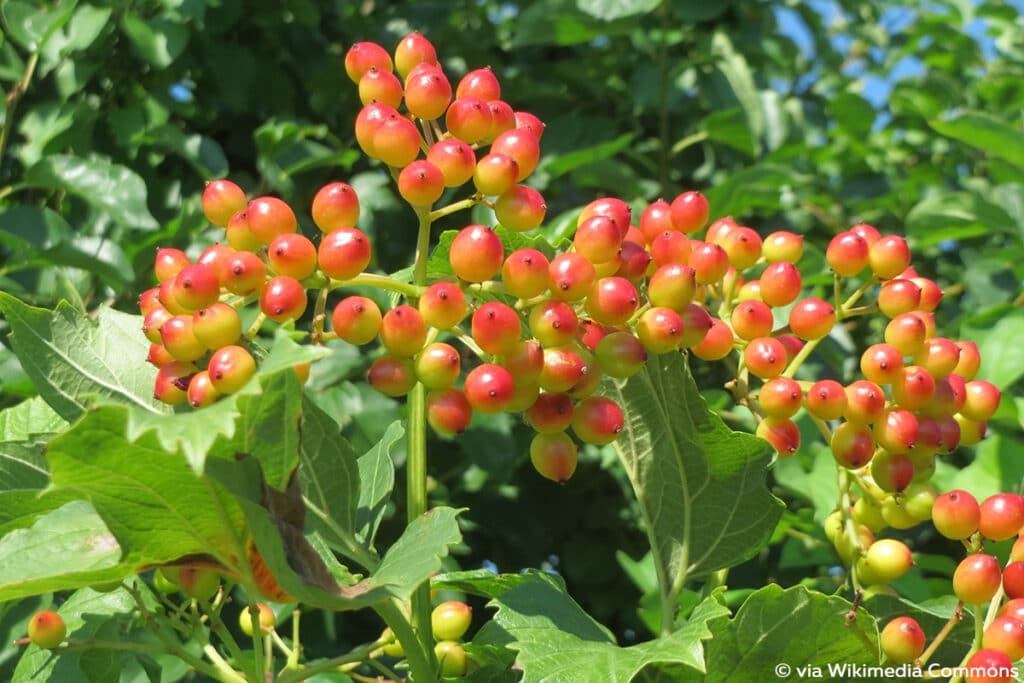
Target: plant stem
point(454, 206)
point(941, 635)
point(416, 471)
point(12, 101)
point(380, 282)
point(319, 316)
point(224, 671)
point(421, 660)
point(689, 141)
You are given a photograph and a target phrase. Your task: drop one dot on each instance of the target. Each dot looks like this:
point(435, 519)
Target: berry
point(217, 325)
point(368, 122)
point(468, 118)
point(554, 456)
point(496, 327)
point(811, 318)
point(743, 245)
point(525, 273)
point(689, 211)
point(865, 402)
point(571, 276)
point(1013, 580)
point(620, 355)
point(476, 253)
point(265, 617)
point(438, 365)
point(214, 257)
point(826, 399)
point(520, 209)
point(847, 254)
point(892, 473)
point(1002, 516)
point(598, 239)
point(717, 343)
point(610, 207)
point(502, 118)
point(344, 253)
point(335, 205)
point(413, 50)
point(396, 141)
point(906, 332)
point(525, 362)
point(283, 299)
point(852, 445)
point(531, 123)
point(195, 287)
point(1006, 635)
point(269, 217)
point(882, 364)
point(481, 83)
point(956, 514)
point(783, 246)
point(452, 658)
point(889, 256)
point(201, 391)
point(230, 368)
point(989, 666)
point(766, 357)
point(172, 382)
point(553, 323)
point(562, 370)
point(495, 174)
point(660, 330)
point(656, 219)
point(977, 578)
point(752, 319)
point(782, 433)
point(612, 300)
point(361, 57)
point(356, 320)
point(489, 388)
point(902, 640)
point(898, 296)
point(168, 263)
point(897, 430)
point(709, 261)
point(450, 620)
point(402, 331)
point(523, 147)
point(455, 159)
point(421, 183)
point(243, 273)
point(222, 199)
point(443, 305)
point(781, 284)
point(981, 401)
point(380, 86)
point(674, 286)
point(392, 376)
point(238, 234)
point(780, 397)
point(914, 389)
point(293, 255)
point(178, 337)
point(969, 361)
point(597, 420)
point(46, 629)
point(448, 411)
point(198, 583)
point(888, 559)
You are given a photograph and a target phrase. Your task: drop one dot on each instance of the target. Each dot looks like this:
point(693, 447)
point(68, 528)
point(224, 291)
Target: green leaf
point(377, 479)
point(757, 187)
point(561, 22)
point(985, 132)
point(480, 582)
point(158, 40)
point(797, 626)
point(205, 154)
point(110, 187)
point(1000, 347)
point(581, 157)
point(417, 554)
point(932, 615)
point(73, 359)
point(852, 112)
point(329, 479)
point(730, 127)
point(86, 25)
point(734, 68)
point(70, 540)
point(31, 24)
point(701, 487)
point(955, 215)
point(557, 641)
point(29, 418)
point(609, 10)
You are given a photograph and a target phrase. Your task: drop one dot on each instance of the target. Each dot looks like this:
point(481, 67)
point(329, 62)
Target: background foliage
point(789, 115)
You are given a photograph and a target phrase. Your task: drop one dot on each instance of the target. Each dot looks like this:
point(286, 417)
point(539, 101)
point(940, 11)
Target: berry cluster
point(449, 622)
point(979, 580)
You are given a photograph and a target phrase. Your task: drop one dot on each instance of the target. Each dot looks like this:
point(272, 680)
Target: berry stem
point(993, 607)
point(254, 329)
point(385, 282)
point(12, 100)
point(851, 527)
point(947, 628)
point(467, 203)
point(420, 659)
point(319, 316)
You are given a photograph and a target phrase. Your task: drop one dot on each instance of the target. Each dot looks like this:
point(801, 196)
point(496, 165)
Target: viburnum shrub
point(245, 492)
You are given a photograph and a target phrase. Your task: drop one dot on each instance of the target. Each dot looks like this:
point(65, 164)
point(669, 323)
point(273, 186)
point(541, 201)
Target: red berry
point(783, 246)
point(562, 370)
point(427, 94)
point(455, 159)
point(571, 276)
point(633, 261)
point(550, 413)
point(656, 219)
point(362, 56)
point(660, 330)
point(450, 620)
point(178, 337)
point(612, 300)
point(448, 411)
point(283, 299)
point(897, 430)
point(914, 389)
point(826, 399)
point(520, 209)
point(956, 514)
point(495, 174)
point(46, 629)
point(970, 360)
point(525, 362)
point(172, 382)
point(489, 388)
point(344, 253)
point(902, 640)
point(781, 284)
point(468, 118)
point(782, 433)
point(898, 296)
point(882, 364)
point(269, 217)
point(610, 207)
point(238, 234)
point(847, 254)
point(868, 232)
point(356, 320)
point(989, 666)
point(368, 122)
point(522, 146)
point(443, 305)
point(217, 325)
point(766, 357)
point(411, 51)
point(907, 333)
point(392, 376)
point(293, 255)
point(395, 141)
point(598, 239)
point(476, 253)
point(158, 356)
point(480, 83)
point(214, 257)
point(421, 183)
point(168, 263)
point(380, 86)
point(977, 578)
point(981, 400)
point(553, 323)
point(780, 397)
point(717, 343)
point(620, 354)
point(852, 445)
point(743, 245)
point(402, 331)
point(502, 118)
point(1013, 580)
point(554, 456)
point(889, 256)
point(531, 123)
point(865, 402)
point(751, 319)
point(222, 199)
point(201, 391)
point(709, 261)
point(496, 327)
point(1006, 635)
point(689, 211)
point(719, 229)
point(152, 323)
point(597, 420)
point(670, 247)
point(230, 368)
point(1002, 516)
point(243, 273)
point(525, 273)
point(811, 318)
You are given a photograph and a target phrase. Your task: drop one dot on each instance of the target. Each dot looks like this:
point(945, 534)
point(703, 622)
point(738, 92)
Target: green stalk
point(12, 103)
point(416, 468)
